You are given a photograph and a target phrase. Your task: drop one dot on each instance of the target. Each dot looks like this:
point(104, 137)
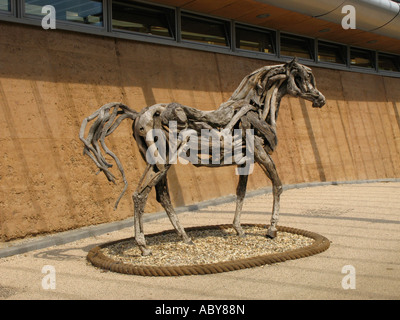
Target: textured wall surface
point(51, 80)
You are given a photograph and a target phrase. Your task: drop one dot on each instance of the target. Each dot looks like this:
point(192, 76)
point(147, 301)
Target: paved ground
point(361, 220)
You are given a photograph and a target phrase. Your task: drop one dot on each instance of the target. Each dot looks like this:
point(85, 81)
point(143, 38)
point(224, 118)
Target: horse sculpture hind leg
point(266, 163)
point(165, 200)
point(139, 201)
point(158, 178)
point(151, 177)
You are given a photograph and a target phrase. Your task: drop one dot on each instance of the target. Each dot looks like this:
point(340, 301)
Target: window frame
point(345, 53)
point(270, 32)
point(397, 63)
point(311, 46)
point(206, 18)
point(171, 21)
point(373, 57)
point(12, 11)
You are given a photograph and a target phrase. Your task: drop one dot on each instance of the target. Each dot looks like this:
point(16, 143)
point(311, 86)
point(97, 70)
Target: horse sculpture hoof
point(145, 252)
point(271, 234)
point(189, 241)
point(239, 231)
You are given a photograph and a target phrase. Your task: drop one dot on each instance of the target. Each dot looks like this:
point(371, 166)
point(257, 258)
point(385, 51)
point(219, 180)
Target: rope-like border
point(320, 244)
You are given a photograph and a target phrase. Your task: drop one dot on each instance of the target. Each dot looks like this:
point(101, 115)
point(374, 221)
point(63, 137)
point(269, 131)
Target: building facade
point(195, 53)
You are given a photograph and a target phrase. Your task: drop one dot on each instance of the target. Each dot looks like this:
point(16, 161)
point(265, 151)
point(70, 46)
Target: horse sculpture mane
point(253, 106)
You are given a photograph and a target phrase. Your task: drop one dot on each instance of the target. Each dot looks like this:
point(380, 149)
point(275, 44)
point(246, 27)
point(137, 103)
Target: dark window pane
point(361, 58)
point(138, 17)
point(250, 39)
point(389, 62)
point(296, 46)
point(204, 30)
point(80, 11)
point(5, 5)
point(333, 53)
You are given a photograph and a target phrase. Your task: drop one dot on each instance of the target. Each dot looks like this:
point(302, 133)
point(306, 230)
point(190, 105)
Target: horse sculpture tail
point(107, 119)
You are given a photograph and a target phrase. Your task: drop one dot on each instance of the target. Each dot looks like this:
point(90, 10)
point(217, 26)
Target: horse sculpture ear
point(289, 65)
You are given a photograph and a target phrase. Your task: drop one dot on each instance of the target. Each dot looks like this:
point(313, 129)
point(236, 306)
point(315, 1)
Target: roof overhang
point(377, 24)
point(376, 16)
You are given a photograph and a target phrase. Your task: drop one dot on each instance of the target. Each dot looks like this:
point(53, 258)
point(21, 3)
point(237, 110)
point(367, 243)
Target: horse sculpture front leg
point(240, 194)
point(266, 163)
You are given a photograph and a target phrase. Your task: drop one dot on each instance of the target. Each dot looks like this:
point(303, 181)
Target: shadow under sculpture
point(253, 108)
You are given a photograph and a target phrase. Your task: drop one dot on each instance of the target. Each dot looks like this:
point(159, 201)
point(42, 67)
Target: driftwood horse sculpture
point(254, 105)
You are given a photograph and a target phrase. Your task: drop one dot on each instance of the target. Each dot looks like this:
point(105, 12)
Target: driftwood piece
point(263, 130)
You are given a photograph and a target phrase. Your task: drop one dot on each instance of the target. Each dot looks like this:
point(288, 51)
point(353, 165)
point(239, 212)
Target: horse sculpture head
point(301, 83)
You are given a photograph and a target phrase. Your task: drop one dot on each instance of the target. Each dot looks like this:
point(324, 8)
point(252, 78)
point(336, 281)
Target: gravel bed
point(210, 246)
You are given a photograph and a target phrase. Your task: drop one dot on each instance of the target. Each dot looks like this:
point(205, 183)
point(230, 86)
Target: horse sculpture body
point(253, 106)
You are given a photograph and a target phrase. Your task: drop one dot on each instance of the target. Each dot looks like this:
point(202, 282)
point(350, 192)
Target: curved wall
point(51, 80)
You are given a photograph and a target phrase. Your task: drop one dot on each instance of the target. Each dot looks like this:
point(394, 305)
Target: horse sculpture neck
point(265, 89)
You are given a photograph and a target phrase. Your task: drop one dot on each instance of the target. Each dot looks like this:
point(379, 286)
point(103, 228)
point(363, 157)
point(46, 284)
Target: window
point(362, 58)
point(78, 11)
point(137, 17)
point(388, 62)
point(332, 53)
point(255, 40)
point(204, 30)
point(295, 46)
point(5, 5)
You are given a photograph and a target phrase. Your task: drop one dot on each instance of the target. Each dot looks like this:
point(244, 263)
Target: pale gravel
point(210, 246)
